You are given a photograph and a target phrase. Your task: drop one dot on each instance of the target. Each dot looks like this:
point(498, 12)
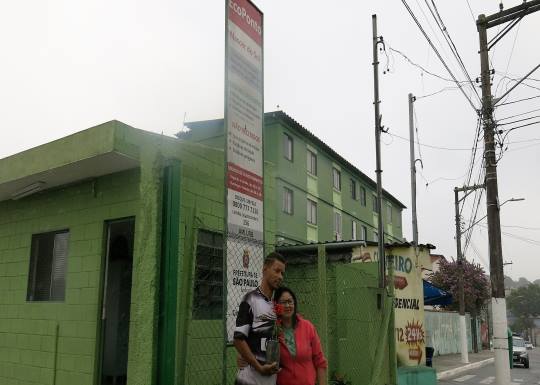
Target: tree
point(475, 284)
point(524, 303)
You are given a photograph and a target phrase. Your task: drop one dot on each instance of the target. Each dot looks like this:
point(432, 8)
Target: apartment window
point(337, 226)
point(336, 177)
point(374, 201)
point(311, 162)
point(354, 190)
point(353, 235)
point(287, 147)
point(47, 273)
point(389, 213)
point(375, 236)
point(207, 293)
point(287, 200)
point(311, 212)
point(363, 233)
point(362, 196)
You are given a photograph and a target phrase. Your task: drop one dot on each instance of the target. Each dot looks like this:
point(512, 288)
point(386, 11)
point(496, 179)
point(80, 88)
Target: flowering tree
point(475, 284)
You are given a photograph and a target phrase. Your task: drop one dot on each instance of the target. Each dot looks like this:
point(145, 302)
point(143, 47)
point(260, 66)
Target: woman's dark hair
point(277, 295)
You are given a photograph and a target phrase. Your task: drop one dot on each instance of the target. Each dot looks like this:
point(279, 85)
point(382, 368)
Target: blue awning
point(435, 296)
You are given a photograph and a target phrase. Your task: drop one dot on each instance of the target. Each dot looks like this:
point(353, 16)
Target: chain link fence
point(339, 297)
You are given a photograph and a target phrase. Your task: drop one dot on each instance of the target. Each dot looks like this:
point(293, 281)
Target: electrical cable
point(515, 116)
point(519, 100)
point(451, 44)
point(422, 68)
point(411, 13)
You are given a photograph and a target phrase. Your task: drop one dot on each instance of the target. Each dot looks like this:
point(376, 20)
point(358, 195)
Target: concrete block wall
point(37, 336)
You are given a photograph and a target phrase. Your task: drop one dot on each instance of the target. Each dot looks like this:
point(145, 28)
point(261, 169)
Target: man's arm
point(243, 349)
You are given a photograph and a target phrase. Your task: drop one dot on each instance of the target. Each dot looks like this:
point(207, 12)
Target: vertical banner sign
point(408, 300)
point(244, 152)
point(409, 307)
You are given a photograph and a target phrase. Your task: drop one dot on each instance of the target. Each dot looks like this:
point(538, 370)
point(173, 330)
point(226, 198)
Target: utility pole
point(413, 172)
point(498, 301)
point(460, 259)
point(378, 128)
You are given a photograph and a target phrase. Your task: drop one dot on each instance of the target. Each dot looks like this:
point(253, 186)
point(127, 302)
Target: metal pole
point(413, 171)
point(378, 170)
point(500, 327)
point(459, 255)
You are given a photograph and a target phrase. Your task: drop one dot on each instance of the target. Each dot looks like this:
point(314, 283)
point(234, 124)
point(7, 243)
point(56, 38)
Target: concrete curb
point(464, 368)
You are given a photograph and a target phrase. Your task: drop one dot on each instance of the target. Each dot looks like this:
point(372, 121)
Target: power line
point(422, 68)
point(523, 113)
point(517, 121)
point(431, 146)
point(519, 100)
point(472, 13)
point(438, 54)
point(450, 42)
point(437, 92)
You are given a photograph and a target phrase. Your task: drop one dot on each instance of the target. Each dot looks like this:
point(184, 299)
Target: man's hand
point(267, 369)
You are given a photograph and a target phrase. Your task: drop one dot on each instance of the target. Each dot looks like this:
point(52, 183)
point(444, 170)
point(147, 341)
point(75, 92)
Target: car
point(528, 345)
point(520, 354)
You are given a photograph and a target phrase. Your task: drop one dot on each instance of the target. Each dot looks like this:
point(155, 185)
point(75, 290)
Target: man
point(255, 325)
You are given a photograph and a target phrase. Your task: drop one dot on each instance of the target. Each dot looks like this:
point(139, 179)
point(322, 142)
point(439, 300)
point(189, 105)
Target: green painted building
point(111, 248)
point(110, 261)
point(319, 195)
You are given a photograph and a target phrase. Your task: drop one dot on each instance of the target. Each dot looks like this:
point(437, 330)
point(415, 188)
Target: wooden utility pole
point(500, 344)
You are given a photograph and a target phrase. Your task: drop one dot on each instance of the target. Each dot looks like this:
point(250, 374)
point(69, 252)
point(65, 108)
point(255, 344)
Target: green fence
point(339, 297)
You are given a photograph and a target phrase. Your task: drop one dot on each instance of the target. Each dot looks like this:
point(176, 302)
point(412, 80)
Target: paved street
point(486, 374)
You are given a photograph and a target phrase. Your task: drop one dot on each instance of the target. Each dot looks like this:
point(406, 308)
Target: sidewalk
point(450, 364)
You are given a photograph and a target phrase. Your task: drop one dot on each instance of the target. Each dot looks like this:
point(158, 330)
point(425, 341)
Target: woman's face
point(286, 300)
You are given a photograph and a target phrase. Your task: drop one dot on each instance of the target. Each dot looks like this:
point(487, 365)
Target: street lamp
point(484, 217)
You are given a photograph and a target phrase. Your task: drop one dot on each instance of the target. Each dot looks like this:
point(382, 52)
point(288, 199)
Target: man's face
point(273, 274)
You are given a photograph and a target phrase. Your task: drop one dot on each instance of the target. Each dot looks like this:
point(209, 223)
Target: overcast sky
point(69, 65)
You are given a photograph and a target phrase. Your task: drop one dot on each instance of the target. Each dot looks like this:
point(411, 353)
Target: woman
point(301, 361)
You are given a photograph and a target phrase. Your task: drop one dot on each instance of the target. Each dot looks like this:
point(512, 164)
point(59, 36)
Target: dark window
point(336, 178)
point(389, 213)
point(375, 205)
point(208, 296)
point(354, 190)
point(311, 163)
point(47, 273)
point(287, 200)
point(287, 147)
point(363, 234)
point(311, 212)
point(362, 196)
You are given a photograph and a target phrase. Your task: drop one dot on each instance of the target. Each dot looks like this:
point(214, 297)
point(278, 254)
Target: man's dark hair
point(274, 256)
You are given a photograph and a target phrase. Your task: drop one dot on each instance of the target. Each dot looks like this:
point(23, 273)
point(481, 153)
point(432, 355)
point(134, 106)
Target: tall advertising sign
point(410, 334)
point(244, 152)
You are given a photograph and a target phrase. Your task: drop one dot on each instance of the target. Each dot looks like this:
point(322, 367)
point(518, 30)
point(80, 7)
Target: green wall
point(36, 336)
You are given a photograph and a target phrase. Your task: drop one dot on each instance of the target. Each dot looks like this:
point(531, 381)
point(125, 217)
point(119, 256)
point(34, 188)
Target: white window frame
point(354, 231)
point(311, 162)
point(336, 179)
point(311, 212)
point(287, 201)
point(338, 226)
